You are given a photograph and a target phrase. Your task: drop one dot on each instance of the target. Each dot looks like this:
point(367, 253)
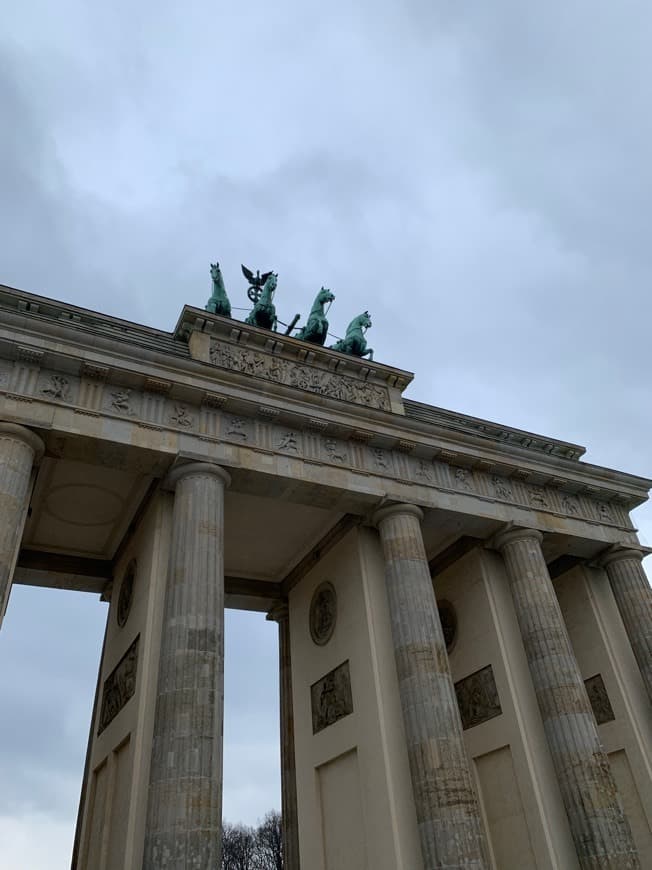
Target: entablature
point(69, 377)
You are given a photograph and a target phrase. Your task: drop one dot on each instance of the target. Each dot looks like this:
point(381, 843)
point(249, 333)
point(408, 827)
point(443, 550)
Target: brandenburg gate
point(465, 625)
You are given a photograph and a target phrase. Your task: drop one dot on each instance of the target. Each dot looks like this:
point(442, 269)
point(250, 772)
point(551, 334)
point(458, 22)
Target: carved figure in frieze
point(463, 479)
point(235, 429)
point(570, 505)
point(334, 451)
point(502, 489)
point(605, 513)
point(316, 328)
point(537, 497)
point(58, 388)
point(380, 460)
point(288, 441)
point(121, 401)
point(354, 341)
point(424, 470)
point(219, 301)
point(181, 416)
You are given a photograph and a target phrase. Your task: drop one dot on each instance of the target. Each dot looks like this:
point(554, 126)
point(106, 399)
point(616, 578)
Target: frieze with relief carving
point(441, 471)
point(303, 377)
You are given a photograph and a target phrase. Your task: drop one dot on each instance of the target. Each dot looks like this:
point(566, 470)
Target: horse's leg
point(369, 352)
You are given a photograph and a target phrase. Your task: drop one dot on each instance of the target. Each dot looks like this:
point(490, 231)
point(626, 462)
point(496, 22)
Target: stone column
point(20, 450)
point(184, 814)
point(448, 815)
point(280, 613)
point(599, 827)
point(633, 595)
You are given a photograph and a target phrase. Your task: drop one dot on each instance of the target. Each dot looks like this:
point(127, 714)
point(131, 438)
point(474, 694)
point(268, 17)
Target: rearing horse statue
point(219, 301)
point(354, 341)
point(316, 327)
point(264, 313)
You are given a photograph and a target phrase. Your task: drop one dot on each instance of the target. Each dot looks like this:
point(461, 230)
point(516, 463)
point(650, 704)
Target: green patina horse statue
point(219, 301)
point(316, 327)
point(264, 313)
point(354, 341)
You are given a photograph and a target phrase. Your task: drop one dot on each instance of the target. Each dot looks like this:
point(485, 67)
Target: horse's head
point(215, 271)
point(363, 320)
point(325, 296)
point(270, 283)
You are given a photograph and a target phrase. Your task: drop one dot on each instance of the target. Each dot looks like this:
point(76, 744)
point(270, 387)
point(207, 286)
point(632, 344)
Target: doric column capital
point(21, 433)
point(513, 534)
point(396, 510)
point(278, 612)
point(200, 469)
point(620, 552)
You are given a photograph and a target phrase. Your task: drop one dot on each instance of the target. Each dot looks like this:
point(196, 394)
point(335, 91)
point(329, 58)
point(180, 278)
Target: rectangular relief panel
point(504, 812)
point(477, 697)
point(599, 699)
point(633, 805)
point(331, 698)
point(119, 686)
point(341, 811)
point(119, 806)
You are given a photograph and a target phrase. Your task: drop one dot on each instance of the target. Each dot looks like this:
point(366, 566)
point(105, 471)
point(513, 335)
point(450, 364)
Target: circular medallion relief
point(448, 619)
point(126, 593)
point(323, 613)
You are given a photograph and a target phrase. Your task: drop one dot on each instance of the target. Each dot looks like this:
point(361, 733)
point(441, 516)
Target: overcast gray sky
point(476, 174)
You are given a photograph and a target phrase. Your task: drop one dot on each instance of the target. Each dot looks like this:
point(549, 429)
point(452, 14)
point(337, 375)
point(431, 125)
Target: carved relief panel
point(331, 698)
point(477, 698)
point(119, 686)
point(600, 703)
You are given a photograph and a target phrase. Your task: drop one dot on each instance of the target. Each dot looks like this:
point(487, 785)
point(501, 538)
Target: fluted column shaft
point(280, 614)
point(20, 449)
point(184, 815)
point(633, 595)
point(448, 814)
point(598, 825)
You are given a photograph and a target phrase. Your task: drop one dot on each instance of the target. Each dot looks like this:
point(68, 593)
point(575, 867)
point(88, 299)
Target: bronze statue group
point(263, 314)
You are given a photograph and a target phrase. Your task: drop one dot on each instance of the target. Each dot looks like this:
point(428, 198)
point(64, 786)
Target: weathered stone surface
point(633, 596)
point(448, 814)
point(599, 827)
point(184, 814)
point(19, 449)
point(280, 614)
